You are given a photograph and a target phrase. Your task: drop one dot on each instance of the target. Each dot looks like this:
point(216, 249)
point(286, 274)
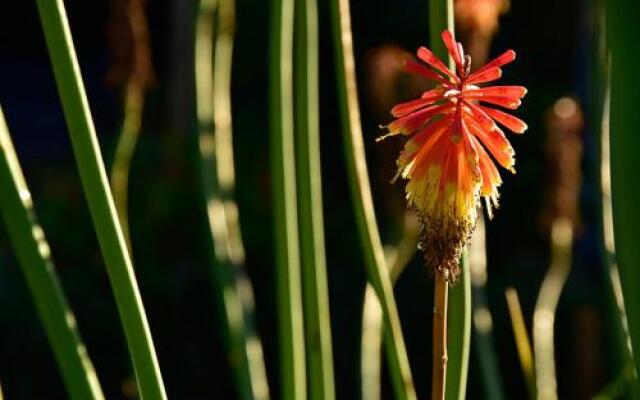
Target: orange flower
point(446, 159)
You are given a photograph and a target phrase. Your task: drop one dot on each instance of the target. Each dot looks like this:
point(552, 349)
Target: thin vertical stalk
point(129, 134)
point(34, 256)
point(132, 63)
point(441, 17)
point(213, 106)
point(291, 329)
point(94, 181)
point(622, 28)
point(314, 270)
point(439, 365)
point(377, 271)
point(459, 327)
point(545, 310)
point(397, 257)
point(523, 343)
point(482, 321)
point(622, 338)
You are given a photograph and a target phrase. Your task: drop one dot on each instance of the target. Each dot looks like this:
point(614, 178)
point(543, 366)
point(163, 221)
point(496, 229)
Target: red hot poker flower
point(447, 159)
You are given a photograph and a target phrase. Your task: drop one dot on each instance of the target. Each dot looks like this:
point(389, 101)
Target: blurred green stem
point(311, 226)
point(377, 271)
point(133, 105)
point(291, 329)
point(622, 339)
point(622, 31)
point(213, 106)
point(397, 257)
point(523, 343)
point(459, 328)
point(482, 321)
point(34, 256)
point(546, 305)
point(94, 181)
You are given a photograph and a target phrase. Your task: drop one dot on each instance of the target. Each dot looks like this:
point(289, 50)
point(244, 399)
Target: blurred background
point(557, 44)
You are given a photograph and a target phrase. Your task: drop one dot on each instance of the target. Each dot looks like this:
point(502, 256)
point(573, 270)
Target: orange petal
point(505, 58)
point(499, 91)
point(506, 102)
point(487, 76)
point(480, 116)
point(452, 47)
point(427, 56)
point(432, 152)
point(488, 171)
point(515, 124)
point(417, 68)
point(405, 108)
point(417, 141)
point(496, 143)
point(410, 122)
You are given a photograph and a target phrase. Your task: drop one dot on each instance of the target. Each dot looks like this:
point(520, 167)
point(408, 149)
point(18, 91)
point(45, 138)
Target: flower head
point(448, 159)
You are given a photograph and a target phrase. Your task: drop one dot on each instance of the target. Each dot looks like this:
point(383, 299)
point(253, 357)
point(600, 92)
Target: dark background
point(556, 43)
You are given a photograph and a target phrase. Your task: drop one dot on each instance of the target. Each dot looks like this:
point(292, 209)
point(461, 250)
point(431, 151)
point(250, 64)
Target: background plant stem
point(545, 310)
point(459, 328)
point(233, 288)
point(94, 181)
point(622, 29)
point(439, 366)
point(291, 330)
point(523, 343)
point(376, 268)
point(34, 256)
point(129, 134)
point(311, 225)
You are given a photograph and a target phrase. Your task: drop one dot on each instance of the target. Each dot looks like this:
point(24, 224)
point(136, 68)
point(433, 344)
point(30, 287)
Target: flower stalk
point(447, 167)
point(290, 313)
point(34, 257)
point(94, 181)
point(439, 365)
point(311, 225)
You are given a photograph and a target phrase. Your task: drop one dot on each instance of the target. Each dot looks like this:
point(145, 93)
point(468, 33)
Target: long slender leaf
point(314, 271)
point(94, 181)
point(291, 330)
point(377, 271)
point(213, 105)
point(483, 338)
point(34, 256)
point(622, 30)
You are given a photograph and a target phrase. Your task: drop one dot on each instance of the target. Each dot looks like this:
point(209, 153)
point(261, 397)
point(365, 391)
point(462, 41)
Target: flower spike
point(452, 147)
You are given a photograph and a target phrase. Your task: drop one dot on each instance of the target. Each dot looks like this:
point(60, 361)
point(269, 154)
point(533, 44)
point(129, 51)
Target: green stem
point(397, 257)
point(34, 257)
point(459, 329)
point(314, 270)
point(94, 181)
point(625, 60)
point(129, 134)
point(376, 268)
point(483, 338)
point(621, 339)
point(213, 106)
point(291, 329)
point(546, 307)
